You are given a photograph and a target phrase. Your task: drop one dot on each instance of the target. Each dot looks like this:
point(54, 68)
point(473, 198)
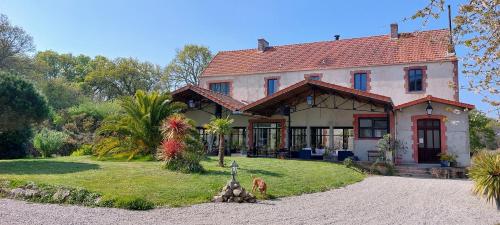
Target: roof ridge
point(327, 41)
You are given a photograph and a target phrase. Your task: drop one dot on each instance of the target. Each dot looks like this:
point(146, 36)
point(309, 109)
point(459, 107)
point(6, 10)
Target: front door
point(429, 140)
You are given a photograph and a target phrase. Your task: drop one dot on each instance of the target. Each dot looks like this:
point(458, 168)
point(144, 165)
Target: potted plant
point(446, 159)
point(390, 147)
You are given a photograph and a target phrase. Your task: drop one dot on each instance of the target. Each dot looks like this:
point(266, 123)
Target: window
point(267, 136)
point(320, 137)
point(238, 139)
point(298, 138)
point(272, 86)
point(360, 81)
point(415, 77)
point(372, 127)
point(313, 76)
point(343, 138)
point(221, 88)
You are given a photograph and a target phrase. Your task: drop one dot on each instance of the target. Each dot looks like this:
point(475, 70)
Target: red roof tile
point(223, 100)
point(413, 47)
point(435, 99)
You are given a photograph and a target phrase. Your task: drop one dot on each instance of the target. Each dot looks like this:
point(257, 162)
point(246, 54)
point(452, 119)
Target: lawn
point(162, 187)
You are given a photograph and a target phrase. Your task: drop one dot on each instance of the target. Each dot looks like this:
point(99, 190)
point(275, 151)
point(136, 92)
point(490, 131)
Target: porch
point(313, 119)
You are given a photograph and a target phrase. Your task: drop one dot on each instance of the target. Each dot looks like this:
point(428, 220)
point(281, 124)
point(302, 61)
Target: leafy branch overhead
point(477, 28)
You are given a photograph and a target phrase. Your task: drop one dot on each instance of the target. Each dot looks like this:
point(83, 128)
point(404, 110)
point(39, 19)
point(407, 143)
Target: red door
point(429, 140)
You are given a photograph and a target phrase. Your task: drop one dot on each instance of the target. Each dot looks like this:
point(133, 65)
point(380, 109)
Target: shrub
point(20, 104)
point(14, 144)
point(133, 203)
point(47, 142)
point(83, 150)
point(181, 149)
point(98, 110)
point(348, 163)
point(485, 172)
point(137, 130)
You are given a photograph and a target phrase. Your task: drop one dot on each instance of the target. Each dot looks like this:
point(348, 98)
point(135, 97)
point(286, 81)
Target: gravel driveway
point(376, 200)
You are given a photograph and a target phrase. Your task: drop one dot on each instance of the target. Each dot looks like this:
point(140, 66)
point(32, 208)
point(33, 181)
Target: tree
point(481, 131)
point(14, 43)
point(20, 104)
point(122, 77)
point(477, 28)
point(60, 93)
point(221, 127)
point(137, 130)
point(188, 64)
point(54, 65)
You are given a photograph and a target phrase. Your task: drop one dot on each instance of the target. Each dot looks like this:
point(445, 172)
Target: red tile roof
point(288, 92)
point(416, 47)
point(435, 99)
point(223, 100)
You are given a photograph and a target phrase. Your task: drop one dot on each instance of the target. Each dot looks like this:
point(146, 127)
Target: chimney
point(394, 31)
point(337, 37)
point(262, 44)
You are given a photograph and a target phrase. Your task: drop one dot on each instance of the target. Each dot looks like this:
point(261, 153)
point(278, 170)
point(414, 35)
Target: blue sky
point(153, 30)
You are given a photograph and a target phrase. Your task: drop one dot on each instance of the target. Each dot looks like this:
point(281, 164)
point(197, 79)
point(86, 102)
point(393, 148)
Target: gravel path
point(376, 200)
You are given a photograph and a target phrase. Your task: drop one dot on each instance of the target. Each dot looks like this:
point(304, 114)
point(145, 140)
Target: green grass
point(143, 179)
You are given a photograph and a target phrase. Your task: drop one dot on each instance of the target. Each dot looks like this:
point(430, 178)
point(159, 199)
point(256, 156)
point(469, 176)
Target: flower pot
point(445, 163)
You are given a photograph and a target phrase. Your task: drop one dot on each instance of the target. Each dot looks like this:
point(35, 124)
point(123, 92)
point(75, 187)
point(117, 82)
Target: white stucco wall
point(457, 130)
point(385, 80)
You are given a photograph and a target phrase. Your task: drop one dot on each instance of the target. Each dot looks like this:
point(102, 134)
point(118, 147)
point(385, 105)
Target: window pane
point(420, 138)
point(436, 123)
point(380, 123)
point(314, 78)
point(364, 132)
point(437, 141)
point(380, 132)
point(429, 136)
point(415, 80)
point(365, 123)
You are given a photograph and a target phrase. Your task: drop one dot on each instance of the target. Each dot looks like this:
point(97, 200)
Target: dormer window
point(221, 88)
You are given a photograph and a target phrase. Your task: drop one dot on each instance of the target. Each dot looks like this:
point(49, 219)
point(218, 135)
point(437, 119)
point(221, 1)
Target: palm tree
point(221, 127)
point(137, 130)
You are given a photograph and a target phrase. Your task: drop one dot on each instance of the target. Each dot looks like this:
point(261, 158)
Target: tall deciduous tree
point(122, 77)
point(188, 64)
point(14, 44)
point(54, 65)
point(482, 134)
point(477, 27)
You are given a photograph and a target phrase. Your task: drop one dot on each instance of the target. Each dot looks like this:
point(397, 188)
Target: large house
point(339, 95)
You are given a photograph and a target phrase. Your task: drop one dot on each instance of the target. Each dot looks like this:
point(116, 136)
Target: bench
point(373, 155)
